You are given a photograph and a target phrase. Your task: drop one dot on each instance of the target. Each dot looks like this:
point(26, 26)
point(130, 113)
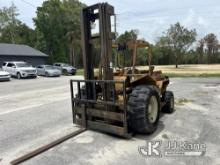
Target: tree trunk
point(176, 60)
point(70, 56)
point(73, 57)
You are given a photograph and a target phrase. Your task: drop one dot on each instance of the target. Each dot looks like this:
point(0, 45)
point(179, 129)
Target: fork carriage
point(98, 112)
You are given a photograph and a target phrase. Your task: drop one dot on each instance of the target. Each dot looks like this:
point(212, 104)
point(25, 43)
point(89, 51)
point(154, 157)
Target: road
point(34, 112)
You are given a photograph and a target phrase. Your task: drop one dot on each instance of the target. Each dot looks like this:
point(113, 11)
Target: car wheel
point(65, 72)
point(18, 75)
point(46, 74)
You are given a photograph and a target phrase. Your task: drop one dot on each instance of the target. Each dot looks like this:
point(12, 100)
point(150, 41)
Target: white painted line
point(32, 92)
point(32, 106)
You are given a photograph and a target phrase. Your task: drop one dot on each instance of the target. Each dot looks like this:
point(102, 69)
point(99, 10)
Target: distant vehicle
point(4, 76)
point(65, 68)
point(19, 69)
point(48, 71)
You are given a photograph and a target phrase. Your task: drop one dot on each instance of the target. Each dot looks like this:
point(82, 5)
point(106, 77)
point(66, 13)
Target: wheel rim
point(19, 76)
point(152, 109)
point(65, 72)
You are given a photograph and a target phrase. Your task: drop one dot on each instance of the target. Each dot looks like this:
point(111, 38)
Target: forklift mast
point(101, 12)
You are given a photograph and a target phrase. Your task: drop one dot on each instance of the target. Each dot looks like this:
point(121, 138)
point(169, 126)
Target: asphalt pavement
point(33, 112)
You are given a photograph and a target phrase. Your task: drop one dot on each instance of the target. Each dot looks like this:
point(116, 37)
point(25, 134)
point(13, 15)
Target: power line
point(30, 4)
point(162, 10)
point(148, 17)
point(168, 14)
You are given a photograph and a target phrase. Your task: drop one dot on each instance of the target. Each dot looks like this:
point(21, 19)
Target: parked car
point(4, 76)
point(48, 71)
point(65, 68)
point(19, 69)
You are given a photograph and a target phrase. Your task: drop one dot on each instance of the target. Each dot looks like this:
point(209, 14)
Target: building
point(14, 52)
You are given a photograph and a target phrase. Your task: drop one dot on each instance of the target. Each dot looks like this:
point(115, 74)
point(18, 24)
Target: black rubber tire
point(65, 72)
point(46, 74)
point(168, 98)
point(18, 75)
point(74, 73)
point(138, 109)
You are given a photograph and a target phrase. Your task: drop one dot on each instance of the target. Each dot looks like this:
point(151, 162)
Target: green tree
point(200, 51)
point(162, 54)
point(126, 55)
point(58, 24)
point(178, 39)
point(8, 21)
point(13, 30)
point(211, 43)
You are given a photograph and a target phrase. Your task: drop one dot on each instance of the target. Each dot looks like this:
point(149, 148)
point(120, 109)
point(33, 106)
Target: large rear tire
point(144, 109)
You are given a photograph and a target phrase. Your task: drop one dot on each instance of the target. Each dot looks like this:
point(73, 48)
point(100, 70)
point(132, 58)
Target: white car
point(19, 69)
point(4, 76)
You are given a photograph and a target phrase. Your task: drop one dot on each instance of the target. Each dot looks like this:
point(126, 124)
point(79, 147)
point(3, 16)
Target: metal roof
point(19, 50)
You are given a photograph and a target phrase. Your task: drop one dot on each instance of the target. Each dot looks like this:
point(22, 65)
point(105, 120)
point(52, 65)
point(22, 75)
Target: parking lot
point(33, 112)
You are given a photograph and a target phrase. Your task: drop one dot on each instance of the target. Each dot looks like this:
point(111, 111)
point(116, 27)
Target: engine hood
point(3, 73)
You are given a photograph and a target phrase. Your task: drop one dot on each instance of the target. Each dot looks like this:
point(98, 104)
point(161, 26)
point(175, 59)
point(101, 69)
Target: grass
point(189, 70)
point(80, 72)
point(183, 70)
point(191, 75)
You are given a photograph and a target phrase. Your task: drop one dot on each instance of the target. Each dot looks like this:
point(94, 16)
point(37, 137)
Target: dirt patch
point(202, 93)
point(165, 136)
point(182, 101)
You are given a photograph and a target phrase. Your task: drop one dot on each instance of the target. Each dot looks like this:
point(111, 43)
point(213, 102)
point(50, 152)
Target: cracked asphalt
point(35, 112)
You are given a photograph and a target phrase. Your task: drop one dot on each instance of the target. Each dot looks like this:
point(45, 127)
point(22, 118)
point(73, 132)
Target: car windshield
point(22, 65)
point(66, 65)
point(50, 67)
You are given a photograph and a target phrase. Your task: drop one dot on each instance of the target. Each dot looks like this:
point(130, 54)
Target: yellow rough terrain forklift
point(121, 100)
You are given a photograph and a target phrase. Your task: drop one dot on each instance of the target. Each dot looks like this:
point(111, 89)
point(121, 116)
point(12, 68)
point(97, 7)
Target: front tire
point(46, 74)
point(18, 75)
point(168, 98)
point(65, 72)
point(144, 109)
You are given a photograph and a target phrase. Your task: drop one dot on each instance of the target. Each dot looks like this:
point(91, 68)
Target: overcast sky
point(151, 17)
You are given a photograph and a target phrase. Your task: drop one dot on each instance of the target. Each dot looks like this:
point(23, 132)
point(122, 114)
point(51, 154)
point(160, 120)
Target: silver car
point(4, 76)
point(48, 71)
point(65, 68)
point(19, 69)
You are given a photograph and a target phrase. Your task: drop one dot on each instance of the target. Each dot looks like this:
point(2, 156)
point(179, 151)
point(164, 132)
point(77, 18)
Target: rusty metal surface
point(90, 112)
point(102, 114)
